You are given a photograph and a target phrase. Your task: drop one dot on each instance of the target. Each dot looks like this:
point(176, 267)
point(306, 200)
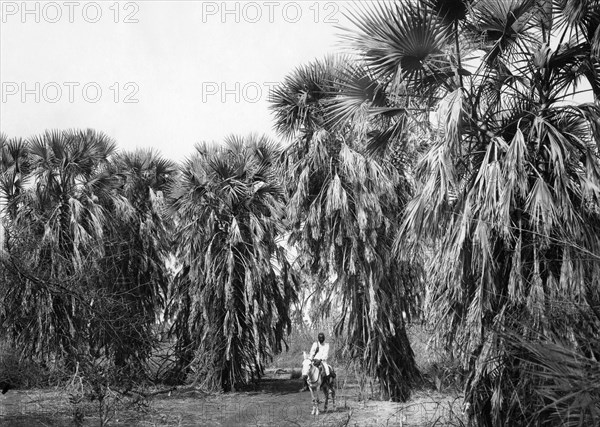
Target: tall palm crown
point(69, 173)
point(342, 209)
point(235, 285)
point(14, 169)
point(57, 226)
point(85, 268)
point(508, 185)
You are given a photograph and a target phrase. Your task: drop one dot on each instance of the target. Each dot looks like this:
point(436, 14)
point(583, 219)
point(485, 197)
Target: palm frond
point(402, 44)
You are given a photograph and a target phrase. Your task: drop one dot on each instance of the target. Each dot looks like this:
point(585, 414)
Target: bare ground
point(275, 402)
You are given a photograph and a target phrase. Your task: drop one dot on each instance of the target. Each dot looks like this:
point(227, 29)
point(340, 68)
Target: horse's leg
point(318, 402)
point(318, 396)
point(333, 396)
point(312, 395)
point(329, 388)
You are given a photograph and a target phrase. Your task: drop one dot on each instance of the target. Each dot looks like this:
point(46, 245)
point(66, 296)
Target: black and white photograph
point(307, 213)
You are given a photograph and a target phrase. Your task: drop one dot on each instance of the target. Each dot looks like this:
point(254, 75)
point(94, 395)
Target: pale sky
point(199, 70)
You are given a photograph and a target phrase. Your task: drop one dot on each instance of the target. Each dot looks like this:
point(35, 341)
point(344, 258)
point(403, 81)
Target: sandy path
point(276, 402)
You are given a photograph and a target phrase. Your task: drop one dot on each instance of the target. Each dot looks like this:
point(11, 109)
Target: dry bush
point(20, 372)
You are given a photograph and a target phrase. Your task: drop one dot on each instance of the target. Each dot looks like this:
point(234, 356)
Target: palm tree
point(508, 184)
point(57, 227)
point(235, 287)
point(136, 253)
point(14, 167)
point(342, 210)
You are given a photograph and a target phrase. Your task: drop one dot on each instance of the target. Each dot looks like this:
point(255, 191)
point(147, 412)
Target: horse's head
point(306, 364)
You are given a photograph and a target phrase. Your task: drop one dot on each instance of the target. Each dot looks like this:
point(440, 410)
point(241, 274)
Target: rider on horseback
point(320, 348)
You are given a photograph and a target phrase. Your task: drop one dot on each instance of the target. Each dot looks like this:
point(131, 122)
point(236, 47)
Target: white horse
point(315, 382)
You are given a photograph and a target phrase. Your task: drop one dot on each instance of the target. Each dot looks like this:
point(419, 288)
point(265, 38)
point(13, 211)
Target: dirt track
point(276, 402)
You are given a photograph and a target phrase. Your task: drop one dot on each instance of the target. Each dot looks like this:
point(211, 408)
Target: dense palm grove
point(448, 170)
